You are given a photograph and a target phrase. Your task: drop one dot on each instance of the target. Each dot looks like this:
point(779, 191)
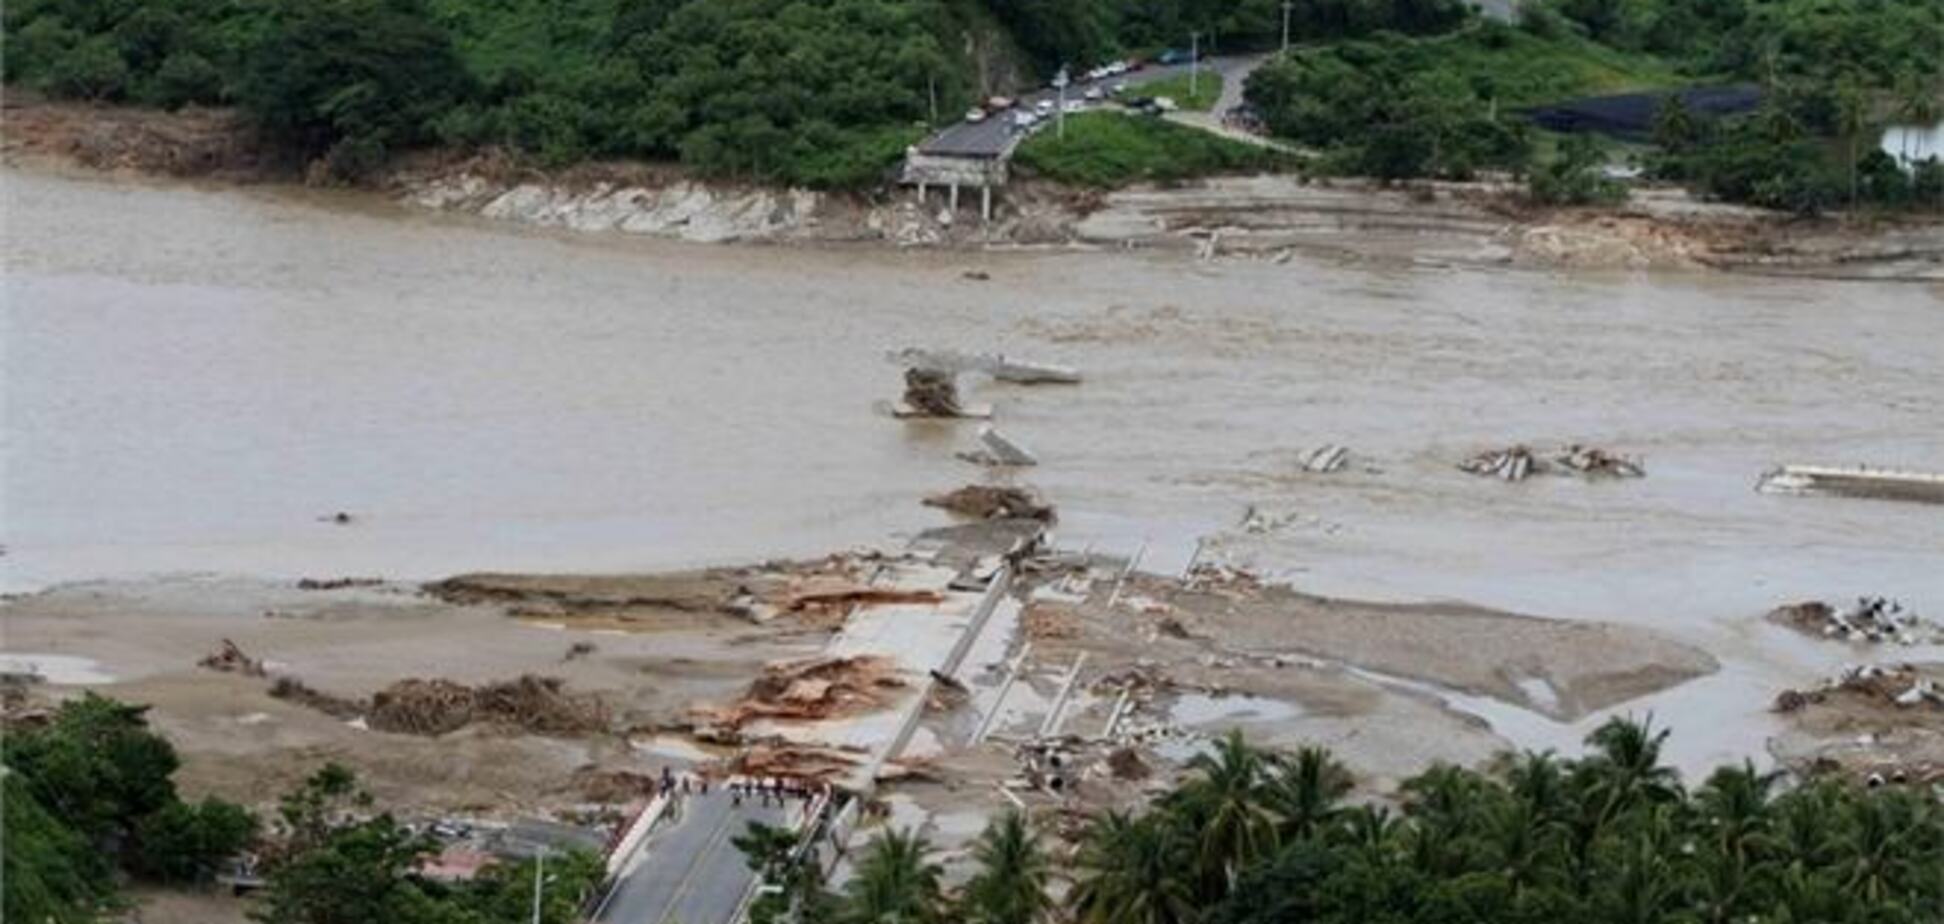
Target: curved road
point(689, 872)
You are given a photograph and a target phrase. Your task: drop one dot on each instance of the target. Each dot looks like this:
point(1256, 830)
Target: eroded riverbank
point(1264, 217)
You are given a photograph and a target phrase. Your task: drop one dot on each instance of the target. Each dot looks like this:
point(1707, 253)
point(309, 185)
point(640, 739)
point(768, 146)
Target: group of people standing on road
point(777, 791)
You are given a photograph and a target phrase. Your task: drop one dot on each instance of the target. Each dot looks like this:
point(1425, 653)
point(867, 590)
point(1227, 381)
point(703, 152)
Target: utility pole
point(1060, 82)
point(1194, 65)
point(1287, 6)
point(539, 865)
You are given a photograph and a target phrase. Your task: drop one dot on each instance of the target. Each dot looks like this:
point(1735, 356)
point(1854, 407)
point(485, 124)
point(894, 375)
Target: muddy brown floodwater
point(195, 376)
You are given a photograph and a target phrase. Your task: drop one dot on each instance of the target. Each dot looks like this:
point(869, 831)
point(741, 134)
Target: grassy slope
point(1528, 70)
point(1107, 149)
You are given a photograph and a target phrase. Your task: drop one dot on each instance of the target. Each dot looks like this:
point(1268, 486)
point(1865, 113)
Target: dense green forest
point(1259, 837)
point(829, 92)
point(90, 802)
point(1832, 72)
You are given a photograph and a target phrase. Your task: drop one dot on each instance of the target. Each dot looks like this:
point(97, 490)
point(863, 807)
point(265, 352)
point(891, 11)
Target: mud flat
point(238, 739)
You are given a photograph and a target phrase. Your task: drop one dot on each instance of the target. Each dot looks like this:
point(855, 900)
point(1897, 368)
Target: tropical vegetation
point(90, 802)
point(90, 797)
point(1251, 836)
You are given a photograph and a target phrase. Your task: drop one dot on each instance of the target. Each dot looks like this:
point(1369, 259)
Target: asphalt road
point(689, 872)
point(991, 136)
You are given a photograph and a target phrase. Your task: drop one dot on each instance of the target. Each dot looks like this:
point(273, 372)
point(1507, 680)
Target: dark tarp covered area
point(1631, 115)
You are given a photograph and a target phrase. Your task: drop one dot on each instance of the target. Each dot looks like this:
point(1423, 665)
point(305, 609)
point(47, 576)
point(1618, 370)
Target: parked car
point(1043, 107)
point(997, 103)
point(1094, 94)
point(975, 114)
point(1024, 120)
point(1120, 88)
point(1174, 56)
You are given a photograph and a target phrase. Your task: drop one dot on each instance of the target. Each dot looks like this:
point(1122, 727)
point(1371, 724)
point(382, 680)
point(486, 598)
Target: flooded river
point(193, 377)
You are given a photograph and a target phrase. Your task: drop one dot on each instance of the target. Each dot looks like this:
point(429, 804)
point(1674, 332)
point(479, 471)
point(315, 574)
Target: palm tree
point(1224, 801)
point(1010, 887)
point(1537, 779)
point(1524, 845)
point(1307, 793)
point(896, 883)
point(1626, 768)
point(1883, 865)
point(1132, 871)
point(1734, 807)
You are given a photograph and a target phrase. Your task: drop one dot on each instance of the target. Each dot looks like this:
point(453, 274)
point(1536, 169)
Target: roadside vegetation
point(1108, 149)
point(1262, 837)
point(90, 803)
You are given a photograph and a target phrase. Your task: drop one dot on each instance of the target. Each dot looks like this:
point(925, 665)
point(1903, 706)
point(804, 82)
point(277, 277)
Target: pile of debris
point(1873, 620)
point(1327, 458)
point(790, 761)
point(435, 707)
point(1900, 685)
point(931, 393)
point(1510, 464)
point(985, 502)
point(1591, 460)
point(230, 659)
point(296, 691)
point(337, 583)
point(815, 688)
point(1042, 620)
point(1516, 463)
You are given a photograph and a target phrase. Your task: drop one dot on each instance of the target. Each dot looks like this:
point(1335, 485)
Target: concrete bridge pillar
point(985, 204)
point(954, 202)
point(921, 192)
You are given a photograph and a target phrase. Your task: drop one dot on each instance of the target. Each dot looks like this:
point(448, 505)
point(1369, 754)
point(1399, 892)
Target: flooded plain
point(197, 379)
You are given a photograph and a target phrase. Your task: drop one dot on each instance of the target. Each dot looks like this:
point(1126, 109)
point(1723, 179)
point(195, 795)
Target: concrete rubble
point(1510, 464)
point(1872, 620)
point(995, 450)
point(1329, 457)
point(999, 366)
point(1516, 463)
point(1860, 481)
point(1591, 460)
point(1900, 685)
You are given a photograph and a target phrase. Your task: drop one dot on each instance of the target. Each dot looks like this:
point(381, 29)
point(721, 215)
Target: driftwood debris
point(815, 688)
point(435, 707)
point(230, 659)
point(932, 393)
point(985, 502)
point(296, 691)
